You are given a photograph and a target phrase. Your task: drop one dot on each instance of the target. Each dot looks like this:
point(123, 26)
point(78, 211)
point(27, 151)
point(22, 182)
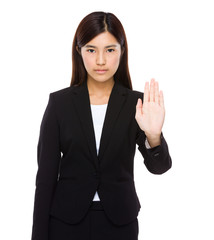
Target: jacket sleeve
point(156, 159)
point(48, 157)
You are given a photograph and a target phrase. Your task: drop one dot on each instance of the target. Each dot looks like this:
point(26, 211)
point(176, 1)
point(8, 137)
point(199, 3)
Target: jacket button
point(156, 154)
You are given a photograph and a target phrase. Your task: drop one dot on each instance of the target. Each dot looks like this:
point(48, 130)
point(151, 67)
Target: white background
point(171, 41)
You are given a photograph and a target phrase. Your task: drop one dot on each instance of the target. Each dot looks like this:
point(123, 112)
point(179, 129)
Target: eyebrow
point(92, 46)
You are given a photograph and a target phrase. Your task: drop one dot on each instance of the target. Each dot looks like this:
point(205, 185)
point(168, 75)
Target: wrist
point(153, 139)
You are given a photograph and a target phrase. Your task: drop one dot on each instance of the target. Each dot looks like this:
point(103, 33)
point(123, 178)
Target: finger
point(161, 99)
point(152, 90)
point(146, 92)
point(156, 92)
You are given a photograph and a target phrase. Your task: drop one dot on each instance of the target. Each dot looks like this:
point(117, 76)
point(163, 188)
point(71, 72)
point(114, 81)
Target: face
point(101, 57)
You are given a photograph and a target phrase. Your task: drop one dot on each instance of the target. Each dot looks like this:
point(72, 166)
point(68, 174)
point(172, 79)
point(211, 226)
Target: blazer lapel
point(116, 101)
point(82, 104)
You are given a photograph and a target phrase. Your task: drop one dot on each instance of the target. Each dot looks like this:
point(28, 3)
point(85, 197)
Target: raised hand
point(151, 113)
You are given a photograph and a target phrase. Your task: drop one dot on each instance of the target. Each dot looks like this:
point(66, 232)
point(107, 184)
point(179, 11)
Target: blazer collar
point(81, 101)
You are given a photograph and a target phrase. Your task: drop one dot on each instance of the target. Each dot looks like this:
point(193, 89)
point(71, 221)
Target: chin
point(101, 79)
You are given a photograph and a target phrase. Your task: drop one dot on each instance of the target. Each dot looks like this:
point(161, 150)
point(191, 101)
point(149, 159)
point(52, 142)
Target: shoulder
point(134, 93)
point(130, 92)
point(62, 91)
point(62, 94)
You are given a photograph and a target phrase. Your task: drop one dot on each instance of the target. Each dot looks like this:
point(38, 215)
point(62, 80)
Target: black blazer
point(69, 169)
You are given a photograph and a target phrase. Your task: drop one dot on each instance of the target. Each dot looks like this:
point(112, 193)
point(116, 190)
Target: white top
point(98, 116)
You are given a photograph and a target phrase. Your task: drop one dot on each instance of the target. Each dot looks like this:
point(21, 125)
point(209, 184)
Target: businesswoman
point(85, 188)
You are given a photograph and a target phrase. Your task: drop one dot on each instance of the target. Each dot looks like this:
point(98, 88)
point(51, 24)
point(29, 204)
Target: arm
point(48, 156)
point(150, 118)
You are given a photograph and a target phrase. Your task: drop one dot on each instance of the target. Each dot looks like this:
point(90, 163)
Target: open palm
point(151, 113)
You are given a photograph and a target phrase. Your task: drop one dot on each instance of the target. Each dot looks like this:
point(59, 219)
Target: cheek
point(115, 62)
point(88, 62)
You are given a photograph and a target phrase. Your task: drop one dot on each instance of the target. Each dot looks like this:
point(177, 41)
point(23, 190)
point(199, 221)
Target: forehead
point(103, 39)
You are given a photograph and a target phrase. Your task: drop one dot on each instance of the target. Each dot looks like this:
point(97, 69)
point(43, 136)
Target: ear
point(78, 50)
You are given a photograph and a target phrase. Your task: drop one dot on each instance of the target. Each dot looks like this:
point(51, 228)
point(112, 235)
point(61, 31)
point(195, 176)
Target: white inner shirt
point(98, 116)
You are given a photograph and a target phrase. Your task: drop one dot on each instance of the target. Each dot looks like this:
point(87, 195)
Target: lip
point(100, 71)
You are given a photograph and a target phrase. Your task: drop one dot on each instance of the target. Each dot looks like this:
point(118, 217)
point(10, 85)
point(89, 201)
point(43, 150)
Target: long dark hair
point(92, 25)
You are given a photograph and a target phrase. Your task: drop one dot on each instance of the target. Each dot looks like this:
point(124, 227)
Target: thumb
point(139, 106)
point(139, 103)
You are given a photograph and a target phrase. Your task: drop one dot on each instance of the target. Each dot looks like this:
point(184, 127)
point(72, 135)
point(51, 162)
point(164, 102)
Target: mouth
point(101, 71)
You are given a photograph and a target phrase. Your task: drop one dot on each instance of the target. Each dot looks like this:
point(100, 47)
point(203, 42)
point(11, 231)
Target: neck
point(100, 89)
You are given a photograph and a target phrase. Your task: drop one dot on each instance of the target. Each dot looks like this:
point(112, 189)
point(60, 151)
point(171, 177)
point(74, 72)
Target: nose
point(100, 59)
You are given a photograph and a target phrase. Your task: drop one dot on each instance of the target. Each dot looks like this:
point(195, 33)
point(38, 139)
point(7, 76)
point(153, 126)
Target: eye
point(91, 50)
point(110, 50)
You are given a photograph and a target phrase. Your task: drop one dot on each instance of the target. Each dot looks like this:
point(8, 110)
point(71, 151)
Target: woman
point(84, 184)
